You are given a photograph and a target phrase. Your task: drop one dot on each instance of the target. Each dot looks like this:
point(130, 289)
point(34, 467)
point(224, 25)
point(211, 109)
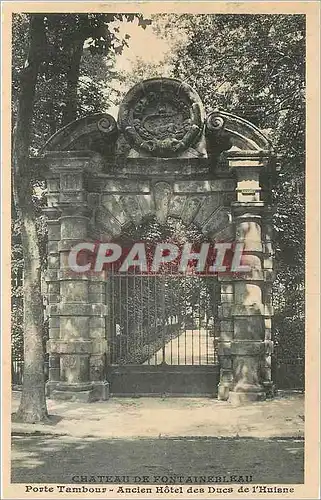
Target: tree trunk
point(33, 402)
point(76, 51)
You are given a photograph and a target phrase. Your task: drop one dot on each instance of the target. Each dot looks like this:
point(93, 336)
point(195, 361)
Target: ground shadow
point(63, 459)
point(50, 421)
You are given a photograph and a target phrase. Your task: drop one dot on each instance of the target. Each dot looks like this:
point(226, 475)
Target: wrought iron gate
point(161, 332)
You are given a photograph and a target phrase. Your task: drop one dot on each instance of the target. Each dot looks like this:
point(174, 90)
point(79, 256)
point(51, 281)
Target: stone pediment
point(160, 118)
point(96, 133)
point(225, 130)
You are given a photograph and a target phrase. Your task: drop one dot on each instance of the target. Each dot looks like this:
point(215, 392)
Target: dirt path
point(191, 347)
point(282, 417)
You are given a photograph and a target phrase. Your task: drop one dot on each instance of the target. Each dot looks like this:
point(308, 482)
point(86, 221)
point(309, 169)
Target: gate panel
point(163, 380)
point(161, 334)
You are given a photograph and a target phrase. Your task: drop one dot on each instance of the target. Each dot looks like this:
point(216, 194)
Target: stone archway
point(165, 158)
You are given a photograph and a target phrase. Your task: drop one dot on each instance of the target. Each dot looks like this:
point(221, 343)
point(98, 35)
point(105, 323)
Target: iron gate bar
point(108, 324)
point(148, 315)
point(134, 309)
point(127, 313)
point(170, 319)
point(153, 335)
point(206, 308)
point(155, 315)
point(198, 324)
point(163, 317)
point(113, 295)
point(120, 311)
point(179, 322)
point(192, 335)
point(185, 303)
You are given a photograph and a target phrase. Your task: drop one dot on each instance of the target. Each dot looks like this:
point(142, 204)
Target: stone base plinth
point(100, 391)
point(243, 398)
point(223, 392)
point(50, 387)
point(81, 396)
point(86, 393)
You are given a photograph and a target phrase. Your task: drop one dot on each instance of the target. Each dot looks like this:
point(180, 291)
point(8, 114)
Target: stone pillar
point(75, 315)
point(248, 346)
point(244, 311)
point(73, 345)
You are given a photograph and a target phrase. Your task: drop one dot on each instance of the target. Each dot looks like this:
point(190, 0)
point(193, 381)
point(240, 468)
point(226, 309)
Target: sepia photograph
point(159, 329)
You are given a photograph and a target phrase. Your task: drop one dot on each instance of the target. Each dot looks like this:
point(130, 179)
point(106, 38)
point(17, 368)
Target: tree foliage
point(48, 82)
point(89, 89)
point(254, 66)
